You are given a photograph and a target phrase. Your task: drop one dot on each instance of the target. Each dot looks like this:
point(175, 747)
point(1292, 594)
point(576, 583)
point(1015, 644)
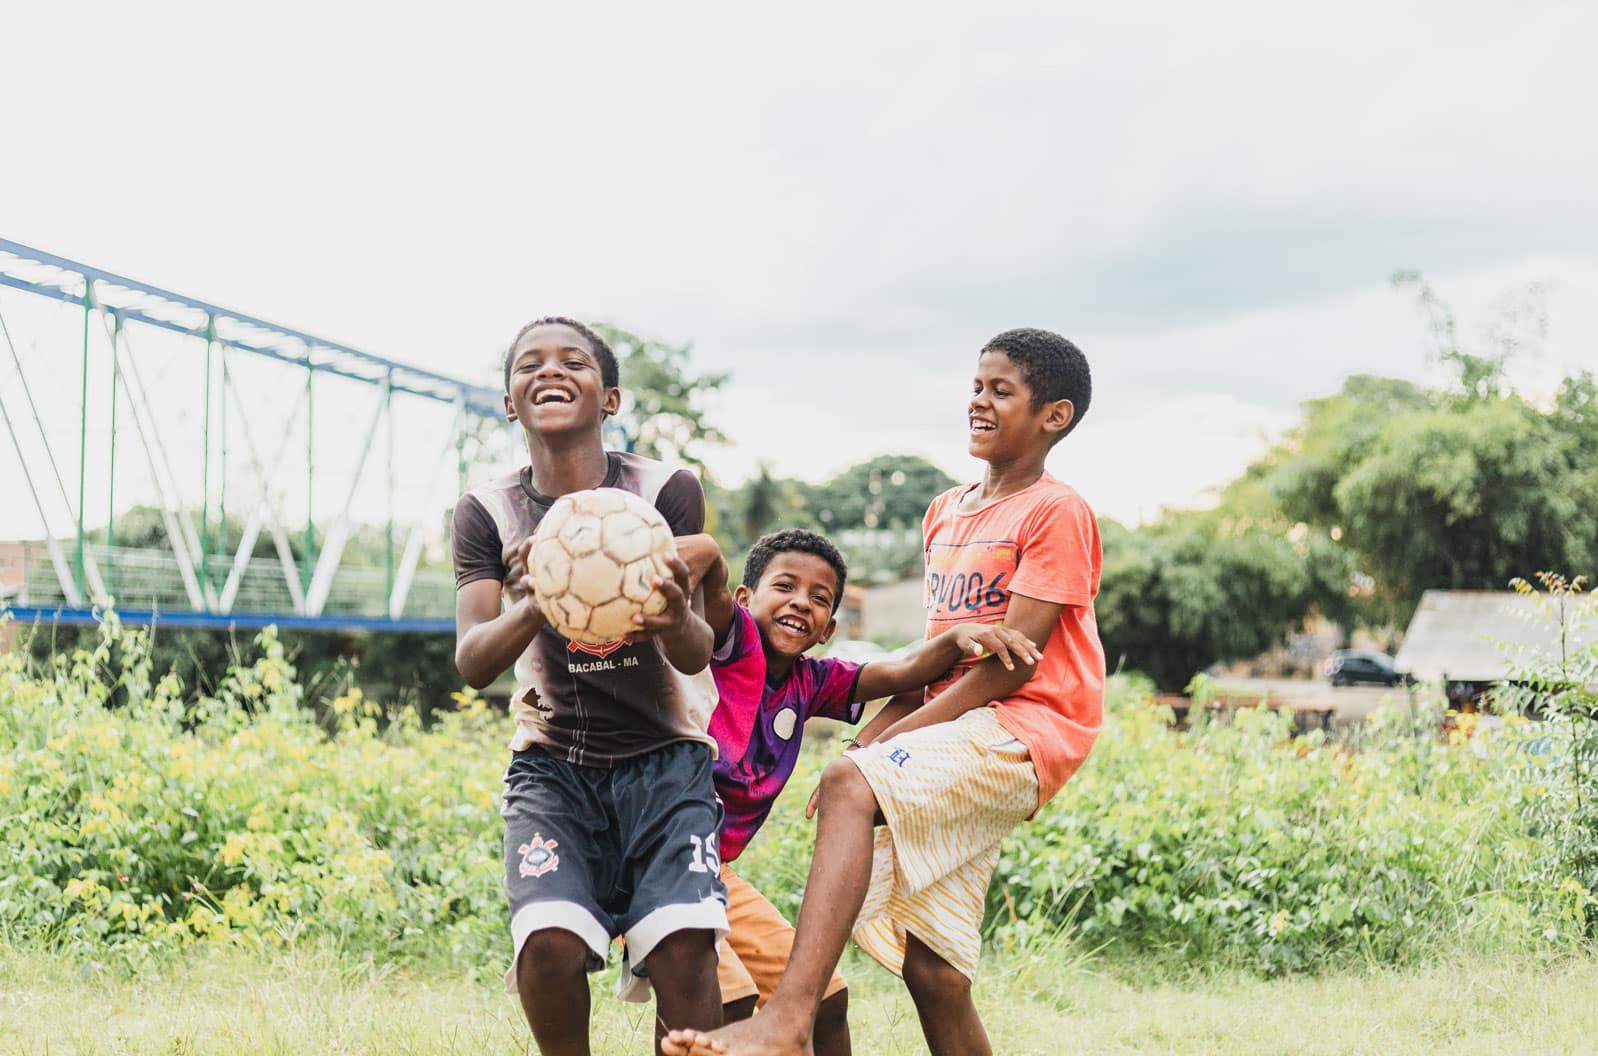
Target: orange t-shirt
point(1042, 542)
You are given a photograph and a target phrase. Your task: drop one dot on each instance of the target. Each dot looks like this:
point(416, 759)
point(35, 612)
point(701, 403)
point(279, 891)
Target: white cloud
point(840, 202)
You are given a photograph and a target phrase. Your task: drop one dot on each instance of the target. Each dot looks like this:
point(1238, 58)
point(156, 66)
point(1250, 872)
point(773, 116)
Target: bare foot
point(761, 1036)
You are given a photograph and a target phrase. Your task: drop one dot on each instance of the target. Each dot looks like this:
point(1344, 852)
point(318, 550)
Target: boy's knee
point(683, 955)
point(843, 787)
point(551, 956)
point(930, 978)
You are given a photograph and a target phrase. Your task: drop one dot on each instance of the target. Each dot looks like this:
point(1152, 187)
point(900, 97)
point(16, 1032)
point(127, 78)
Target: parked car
point(1349, 667)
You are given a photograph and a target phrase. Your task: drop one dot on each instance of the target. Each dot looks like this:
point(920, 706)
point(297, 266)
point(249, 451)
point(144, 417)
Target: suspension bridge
point(268, 476)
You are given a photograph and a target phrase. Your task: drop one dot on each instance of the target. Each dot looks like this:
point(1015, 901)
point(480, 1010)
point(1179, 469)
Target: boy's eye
point(575, 364)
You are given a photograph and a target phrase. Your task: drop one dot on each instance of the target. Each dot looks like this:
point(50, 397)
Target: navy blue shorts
point(628, 850)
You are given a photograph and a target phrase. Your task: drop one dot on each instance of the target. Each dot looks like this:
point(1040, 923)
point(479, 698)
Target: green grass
point(308, 1003)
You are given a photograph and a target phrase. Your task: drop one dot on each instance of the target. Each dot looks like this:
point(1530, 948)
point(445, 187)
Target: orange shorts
point(755, 952)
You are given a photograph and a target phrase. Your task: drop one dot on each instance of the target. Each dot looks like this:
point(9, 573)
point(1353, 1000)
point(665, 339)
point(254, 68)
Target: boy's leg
point(839, 873)
point(950, 793)
point(672, 906)
point(759, 948)
point(739, 991)
point(556, 857)
point(942, 996)
point(552, 982)
point(682, 970)
point(733, 1011)
point(832, 1026)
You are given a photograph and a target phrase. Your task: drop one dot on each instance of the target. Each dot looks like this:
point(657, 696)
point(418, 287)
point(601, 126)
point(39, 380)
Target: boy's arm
point(895, 709)
point(707, 571)
point(931, 658)
point(488, 636)
point(685, 637)
point(990, 680)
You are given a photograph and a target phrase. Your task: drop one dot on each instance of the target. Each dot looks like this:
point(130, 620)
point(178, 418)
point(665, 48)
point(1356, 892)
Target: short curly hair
point(1053, 367)
point(609, 372)
point(792, 540)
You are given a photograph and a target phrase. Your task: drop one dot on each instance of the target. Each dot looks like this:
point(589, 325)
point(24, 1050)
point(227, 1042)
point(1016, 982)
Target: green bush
point(169, 821)
point(1242, 844)
point(1238, 844)
point(137, 819)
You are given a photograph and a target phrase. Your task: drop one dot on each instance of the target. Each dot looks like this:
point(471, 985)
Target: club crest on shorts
point(899, 757)
point(538, 856)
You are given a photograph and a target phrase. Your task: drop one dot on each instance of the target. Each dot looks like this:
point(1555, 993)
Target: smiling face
point(1004, 426)
point(793, 602)
point(555, 382)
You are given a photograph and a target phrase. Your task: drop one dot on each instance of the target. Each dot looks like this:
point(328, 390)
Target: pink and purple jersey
point(758, 727)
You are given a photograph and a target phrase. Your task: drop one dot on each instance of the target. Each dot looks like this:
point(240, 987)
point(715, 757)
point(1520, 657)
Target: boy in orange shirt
point(989, 746)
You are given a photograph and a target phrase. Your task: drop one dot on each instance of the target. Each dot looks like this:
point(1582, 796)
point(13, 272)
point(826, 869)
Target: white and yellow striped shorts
point(949, 793)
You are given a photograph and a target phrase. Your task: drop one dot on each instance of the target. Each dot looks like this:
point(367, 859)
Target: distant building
point(14, 567)
point(892, 612)
point(1475, 636)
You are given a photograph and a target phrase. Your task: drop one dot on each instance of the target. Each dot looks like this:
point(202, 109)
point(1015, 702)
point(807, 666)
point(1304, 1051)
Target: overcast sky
point(839, 203)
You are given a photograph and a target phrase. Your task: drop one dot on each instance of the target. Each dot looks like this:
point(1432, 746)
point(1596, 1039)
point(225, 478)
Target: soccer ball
point(594, 560)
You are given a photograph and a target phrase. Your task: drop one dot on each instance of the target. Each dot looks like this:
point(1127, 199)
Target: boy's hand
point(983, 639)
point(676, 592)
point(518, 579)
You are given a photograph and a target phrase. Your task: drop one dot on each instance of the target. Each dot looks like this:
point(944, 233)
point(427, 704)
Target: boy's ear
point(831, 629)
point(510, 412)
point(741, 595)
point(611, 403)
point(1058, 416)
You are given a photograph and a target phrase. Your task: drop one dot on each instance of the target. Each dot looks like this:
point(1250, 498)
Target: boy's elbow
point(693, 661)
point(1022, 674)
point(469, 670)
point(691, 654)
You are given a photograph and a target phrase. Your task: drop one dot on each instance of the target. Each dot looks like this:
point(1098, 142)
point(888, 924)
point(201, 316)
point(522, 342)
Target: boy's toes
point(690, 1043)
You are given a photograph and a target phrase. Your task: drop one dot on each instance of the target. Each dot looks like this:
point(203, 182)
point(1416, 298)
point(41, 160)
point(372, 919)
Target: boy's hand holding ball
point(518, 583)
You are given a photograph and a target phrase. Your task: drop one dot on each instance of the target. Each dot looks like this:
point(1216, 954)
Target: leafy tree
point(1467, 496)
point(1460, 487)
point(889, 491)
point(762, 500)
point(663, 415)
point(1196, 587)
point(1297, 478)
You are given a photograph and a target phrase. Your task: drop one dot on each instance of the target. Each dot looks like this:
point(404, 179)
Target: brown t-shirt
point(590, 705)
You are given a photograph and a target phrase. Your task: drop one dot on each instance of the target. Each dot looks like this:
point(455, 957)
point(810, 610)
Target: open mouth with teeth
point(792, 625)
point(547, 396)
point(980, 426)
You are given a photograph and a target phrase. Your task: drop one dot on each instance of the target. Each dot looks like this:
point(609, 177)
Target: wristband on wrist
point(852, 743)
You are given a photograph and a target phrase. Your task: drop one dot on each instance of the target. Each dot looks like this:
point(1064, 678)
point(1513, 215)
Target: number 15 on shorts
point(707, 858)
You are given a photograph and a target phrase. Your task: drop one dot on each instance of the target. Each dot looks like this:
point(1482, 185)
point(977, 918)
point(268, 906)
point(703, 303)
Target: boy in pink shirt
point(768, 687)
point(991, 744)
